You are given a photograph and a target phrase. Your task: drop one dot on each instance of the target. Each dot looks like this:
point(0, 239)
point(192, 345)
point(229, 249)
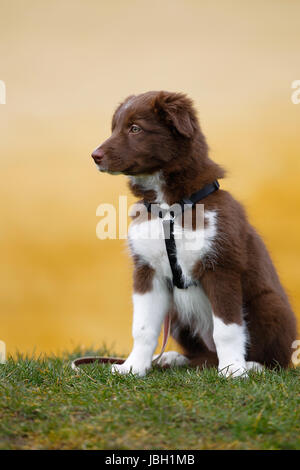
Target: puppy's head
point(149, 131)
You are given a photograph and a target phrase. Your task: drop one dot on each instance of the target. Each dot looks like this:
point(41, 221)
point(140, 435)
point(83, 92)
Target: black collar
point(168, 227)
point(186, 202)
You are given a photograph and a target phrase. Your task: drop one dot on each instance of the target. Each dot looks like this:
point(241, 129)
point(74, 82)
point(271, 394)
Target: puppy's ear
point(177, 110)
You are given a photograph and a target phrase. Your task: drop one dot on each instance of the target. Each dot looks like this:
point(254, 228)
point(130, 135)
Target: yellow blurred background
point(66, 65)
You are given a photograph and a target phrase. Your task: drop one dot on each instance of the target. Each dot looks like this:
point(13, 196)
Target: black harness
point(168, 226)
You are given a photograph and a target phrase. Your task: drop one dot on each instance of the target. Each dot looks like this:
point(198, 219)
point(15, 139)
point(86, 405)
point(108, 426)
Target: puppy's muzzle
point(98, 156)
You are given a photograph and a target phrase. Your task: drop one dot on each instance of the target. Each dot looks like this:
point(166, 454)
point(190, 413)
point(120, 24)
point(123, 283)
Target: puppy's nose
point(98, 155)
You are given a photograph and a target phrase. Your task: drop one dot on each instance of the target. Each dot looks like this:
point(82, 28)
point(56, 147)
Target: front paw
point(127, 368)
point(170, 358)
point(233, 370)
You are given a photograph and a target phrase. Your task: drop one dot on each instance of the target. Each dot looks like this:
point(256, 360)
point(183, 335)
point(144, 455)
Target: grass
point(46, 405)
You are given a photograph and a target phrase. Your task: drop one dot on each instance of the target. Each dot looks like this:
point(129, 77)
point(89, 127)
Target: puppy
point(227, 307)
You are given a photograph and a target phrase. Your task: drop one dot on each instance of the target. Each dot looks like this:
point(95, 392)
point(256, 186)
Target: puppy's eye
point(135, 129)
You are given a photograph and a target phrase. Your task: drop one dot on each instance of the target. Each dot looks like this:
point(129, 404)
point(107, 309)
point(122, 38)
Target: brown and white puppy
point(235, 313)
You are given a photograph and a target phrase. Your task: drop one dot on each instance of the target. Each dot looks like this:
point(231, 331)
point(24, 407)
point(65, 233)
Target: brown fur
point(240, 278)
point(142, 276)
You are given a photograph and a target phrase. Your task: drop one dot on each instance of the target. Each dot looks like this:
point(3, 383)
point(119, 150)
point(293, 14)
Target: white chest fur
point(147, 241)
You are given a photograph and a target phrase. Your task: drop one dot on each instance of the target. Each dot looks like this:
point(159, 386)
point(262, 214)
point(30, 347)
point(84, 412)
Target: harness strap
point(202, 193)
point(168, 227)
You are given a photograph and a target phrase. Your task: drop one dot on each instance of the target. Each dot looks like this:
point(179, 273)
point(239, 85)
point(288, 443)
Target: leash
point(168, 227)
point(118, 360)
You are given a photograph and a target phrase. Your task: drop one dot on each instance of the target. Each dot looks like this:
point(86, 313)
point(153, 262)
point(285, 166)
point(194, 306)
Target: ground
point(46, 405)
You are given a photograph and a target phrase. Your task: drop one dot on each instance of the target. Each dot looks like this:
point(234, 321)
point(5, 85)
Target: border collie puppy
point(229, 308)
